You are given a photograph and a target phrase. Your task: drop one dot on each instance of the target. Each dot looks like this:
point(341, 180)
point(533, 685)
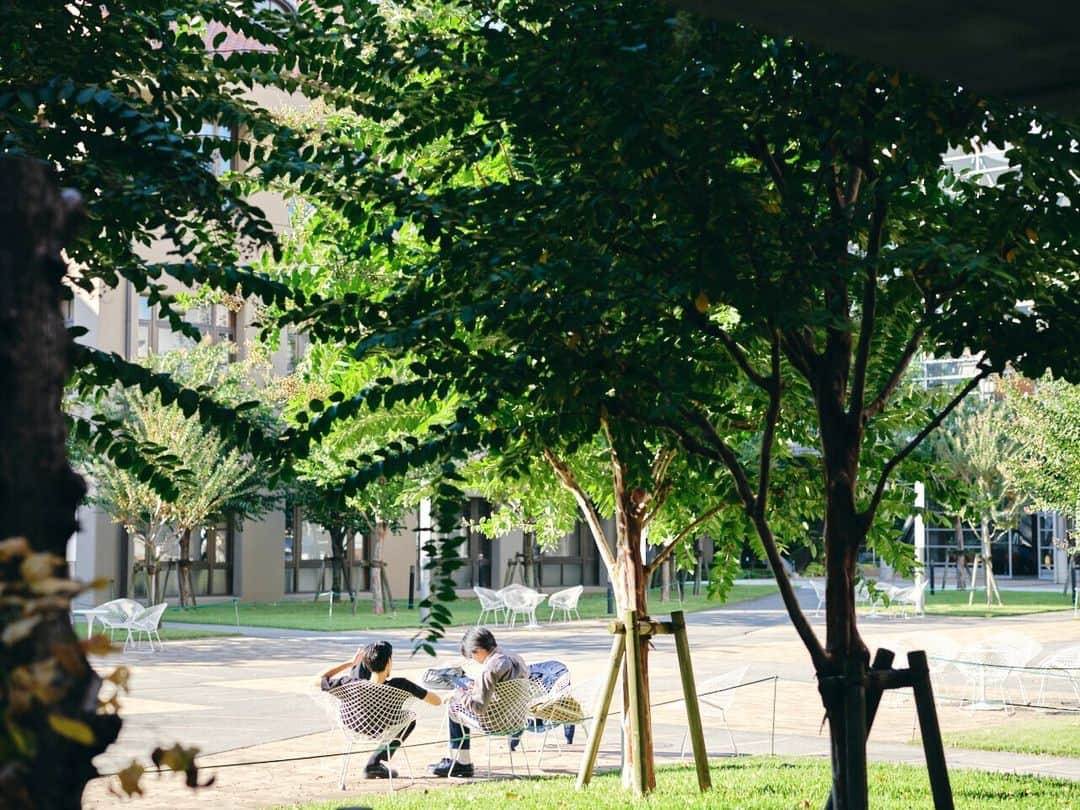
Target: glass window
point(314, 543)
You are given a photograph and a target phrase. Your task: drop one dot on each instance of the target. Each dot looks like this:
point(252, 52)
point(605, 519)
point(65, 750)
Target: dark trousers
point(459, 735)
point(384, 753)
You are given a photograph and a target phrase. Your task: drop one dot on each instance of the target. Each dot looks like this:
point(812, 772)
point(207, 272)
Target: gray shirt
point(499, 666)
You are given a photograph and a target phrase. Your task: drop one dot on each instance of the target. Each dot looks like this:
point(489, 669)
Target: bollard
point(412, 585)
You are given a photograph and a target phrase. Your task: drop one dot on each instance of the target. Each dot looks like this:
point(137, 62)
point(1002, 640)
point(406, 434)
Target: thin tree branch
point(867, 516)
point(768, 436)
point(669, 547)
point(869, 312)
point(902, 364)
point(566, 478)
point(771, 164)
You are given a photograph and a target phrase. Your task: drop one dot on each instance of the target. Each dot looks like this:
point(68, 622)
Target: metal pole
point(920, 548)
point(772, 734)
point(412, 586)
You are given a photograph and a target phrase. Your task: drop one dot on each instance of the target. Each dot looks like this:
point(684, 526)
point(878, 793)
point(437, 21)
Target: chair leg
point(734, 747)
point(682, 746)
point(344, 765)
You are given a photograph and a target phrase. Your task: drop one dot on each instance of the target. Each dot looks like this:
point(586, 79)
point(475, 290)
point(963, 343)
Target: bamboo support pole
point(615, 660)
point(693, 711)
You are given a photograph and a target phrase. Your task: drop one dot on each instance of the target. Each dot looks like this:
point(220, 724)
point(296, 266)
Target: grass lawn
point(166, 633)
point(308, 615)
point(1016, 603)
point(751, 783)
point(1055, 736)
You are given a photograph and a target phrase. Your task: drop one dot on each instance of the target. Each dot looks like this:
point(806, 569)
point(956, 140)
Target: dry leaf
point(69, 657)
point(37, 567)
point(129, 778)
point(96, 645)
point(701, 303)
point(13, 547)
point(120, 676)
point(19, 629)
point(71, 728)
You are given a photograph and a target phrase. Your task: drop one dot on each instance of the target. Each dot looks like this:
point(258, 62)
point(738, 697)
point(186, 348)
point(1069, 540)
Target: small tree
point(977, 450)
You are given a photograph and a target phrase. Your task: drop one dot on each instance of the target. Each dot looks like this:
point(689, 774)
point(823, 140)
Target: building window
point(154, 335)
point(215, 163)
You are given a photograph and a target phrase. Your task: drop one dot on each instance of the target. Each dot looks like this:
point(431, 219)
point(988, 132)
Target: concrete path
point(249, 699)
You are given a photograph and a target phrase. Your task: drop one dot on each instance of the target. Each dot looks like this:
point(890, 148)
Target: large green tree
point(661, 174)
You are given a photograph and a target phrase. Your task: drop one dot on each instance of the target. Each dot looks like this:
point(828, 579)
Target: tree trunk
point(961, 558)
point(665, 580)
point(42, 768)
point(631, 593)
point(378, 537)
point(337, 557)
point(183, 572)
point(988, 564)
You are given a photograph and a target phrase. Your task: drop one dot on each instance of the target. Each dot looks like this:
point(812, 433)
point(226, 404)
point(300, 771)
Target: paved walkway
point(248, 699)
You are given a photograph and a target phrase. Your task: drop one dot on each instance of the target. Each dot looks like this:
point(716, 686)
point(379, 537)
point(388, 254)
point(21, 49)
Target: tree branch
point(867, 515)
point(669, 547)
point(566, 478)
point(723, 453)
point(768, 436)
point(869, 312)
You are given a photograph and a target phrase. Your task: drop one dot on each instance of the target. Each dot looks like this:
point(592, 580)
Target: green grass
point(1054, 736)
point(166, 633)
point(751, 783)
point(1016, 603)
point(308, 615)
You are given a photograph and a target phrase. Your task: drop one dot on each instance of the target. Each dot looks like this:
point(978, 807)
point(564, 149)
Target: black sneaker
point(447, 767)
point(380, 773)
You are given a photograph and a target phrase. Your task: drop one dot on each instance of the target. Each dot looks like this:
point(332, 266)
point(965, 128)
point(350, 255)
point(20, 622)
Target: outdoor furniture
point(564, 704)
point(145, 621)
point(369, 714)
point(984, 666)
point(506, 715)
point(818, 590)
point(112, 615)
point(1063, 666)
point(522, 601)
point(715, 697)
point(490, 602)
point(566, 602)
point(907, 599)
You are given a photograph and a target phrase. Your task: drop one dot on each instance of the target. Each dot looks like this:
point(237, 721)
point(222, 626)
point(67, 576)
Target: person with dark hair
point(374, 663)
point(472, 700)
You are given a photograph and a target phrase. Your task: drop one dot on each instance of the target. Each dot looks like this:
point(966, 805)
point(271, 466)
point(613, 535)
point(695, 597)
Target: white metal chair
point(116, 613)
point(1063, 665)
point(522, 601)
point(490, 602)
point(984, 666)
point(909, 598)
point(145, 621)
point(506, 715)
point(565, 703)
point(717, 695)
point(371, 713)
point(818, 590)
point(566, 602)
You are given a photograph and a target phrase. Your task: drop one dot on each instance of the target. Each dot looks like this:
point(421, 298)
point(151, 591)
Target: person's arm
point(479, 696)
point(334, 670)
point(433, 699)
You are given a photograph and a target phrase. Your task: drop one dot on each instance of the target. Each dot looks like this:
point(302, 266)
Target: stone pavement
point(247, 700)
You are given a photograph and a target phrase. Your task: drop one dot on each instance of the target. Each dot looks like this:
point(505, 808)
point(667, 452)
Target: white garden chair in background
point(114, 614)
point(715, 698)
point(490, 602)
point(369, 714)
point(566, 703)
point(909, 598)
point(522, 601)
point(506, 715)
point(818, 590)
point(146, 621)
point(1062, 666)
point(566, 602)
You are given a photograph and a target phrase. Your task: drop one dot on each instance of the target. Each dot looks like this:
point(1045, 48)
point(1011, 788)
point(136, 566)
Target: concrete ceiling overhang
point(1026, 50)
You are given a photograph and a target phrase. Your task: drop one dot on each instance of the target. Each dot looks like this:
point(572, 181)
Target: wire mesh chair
point(1063, 665)
point(566, 602)
point(522, 602)
point(564, 704)
point(369, 713)
point(145, 621)
point(506, 715)
point(116, 613)
point(490, 602)
point(717, 695)
point(818, 590)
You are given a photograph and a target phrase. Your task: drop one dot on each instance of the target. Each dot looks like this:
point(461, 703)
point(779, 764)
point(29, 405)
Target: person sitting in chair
point(472, 698)
point(374, 663)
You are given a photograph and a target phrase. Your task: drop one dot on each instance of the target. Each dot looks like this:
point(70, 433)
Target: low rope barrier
point(416, 746)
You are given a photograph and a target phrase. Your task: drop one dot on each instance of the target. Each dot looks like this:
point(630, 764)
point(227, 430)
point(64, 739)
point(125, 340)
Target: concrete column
point(920, 547)
point(259, 566)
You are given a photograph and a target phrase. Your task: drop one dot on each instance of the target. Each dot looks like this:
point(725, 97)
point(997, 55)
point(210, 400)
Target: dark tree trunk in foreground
point(47, 760)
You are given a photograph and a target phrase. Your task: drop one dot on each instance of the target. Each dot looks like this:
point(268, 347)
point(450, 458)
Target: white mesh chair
point(565, 602)
point(522, 602)
point(565, 704)
point(908, 599)
point(371, 715)
point(1062, 666)
point(716, 696)
point(506, 715)
point(985, 666)
point(146, 621)
point(116, 613)
point(490, 602)
point(818, 590)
